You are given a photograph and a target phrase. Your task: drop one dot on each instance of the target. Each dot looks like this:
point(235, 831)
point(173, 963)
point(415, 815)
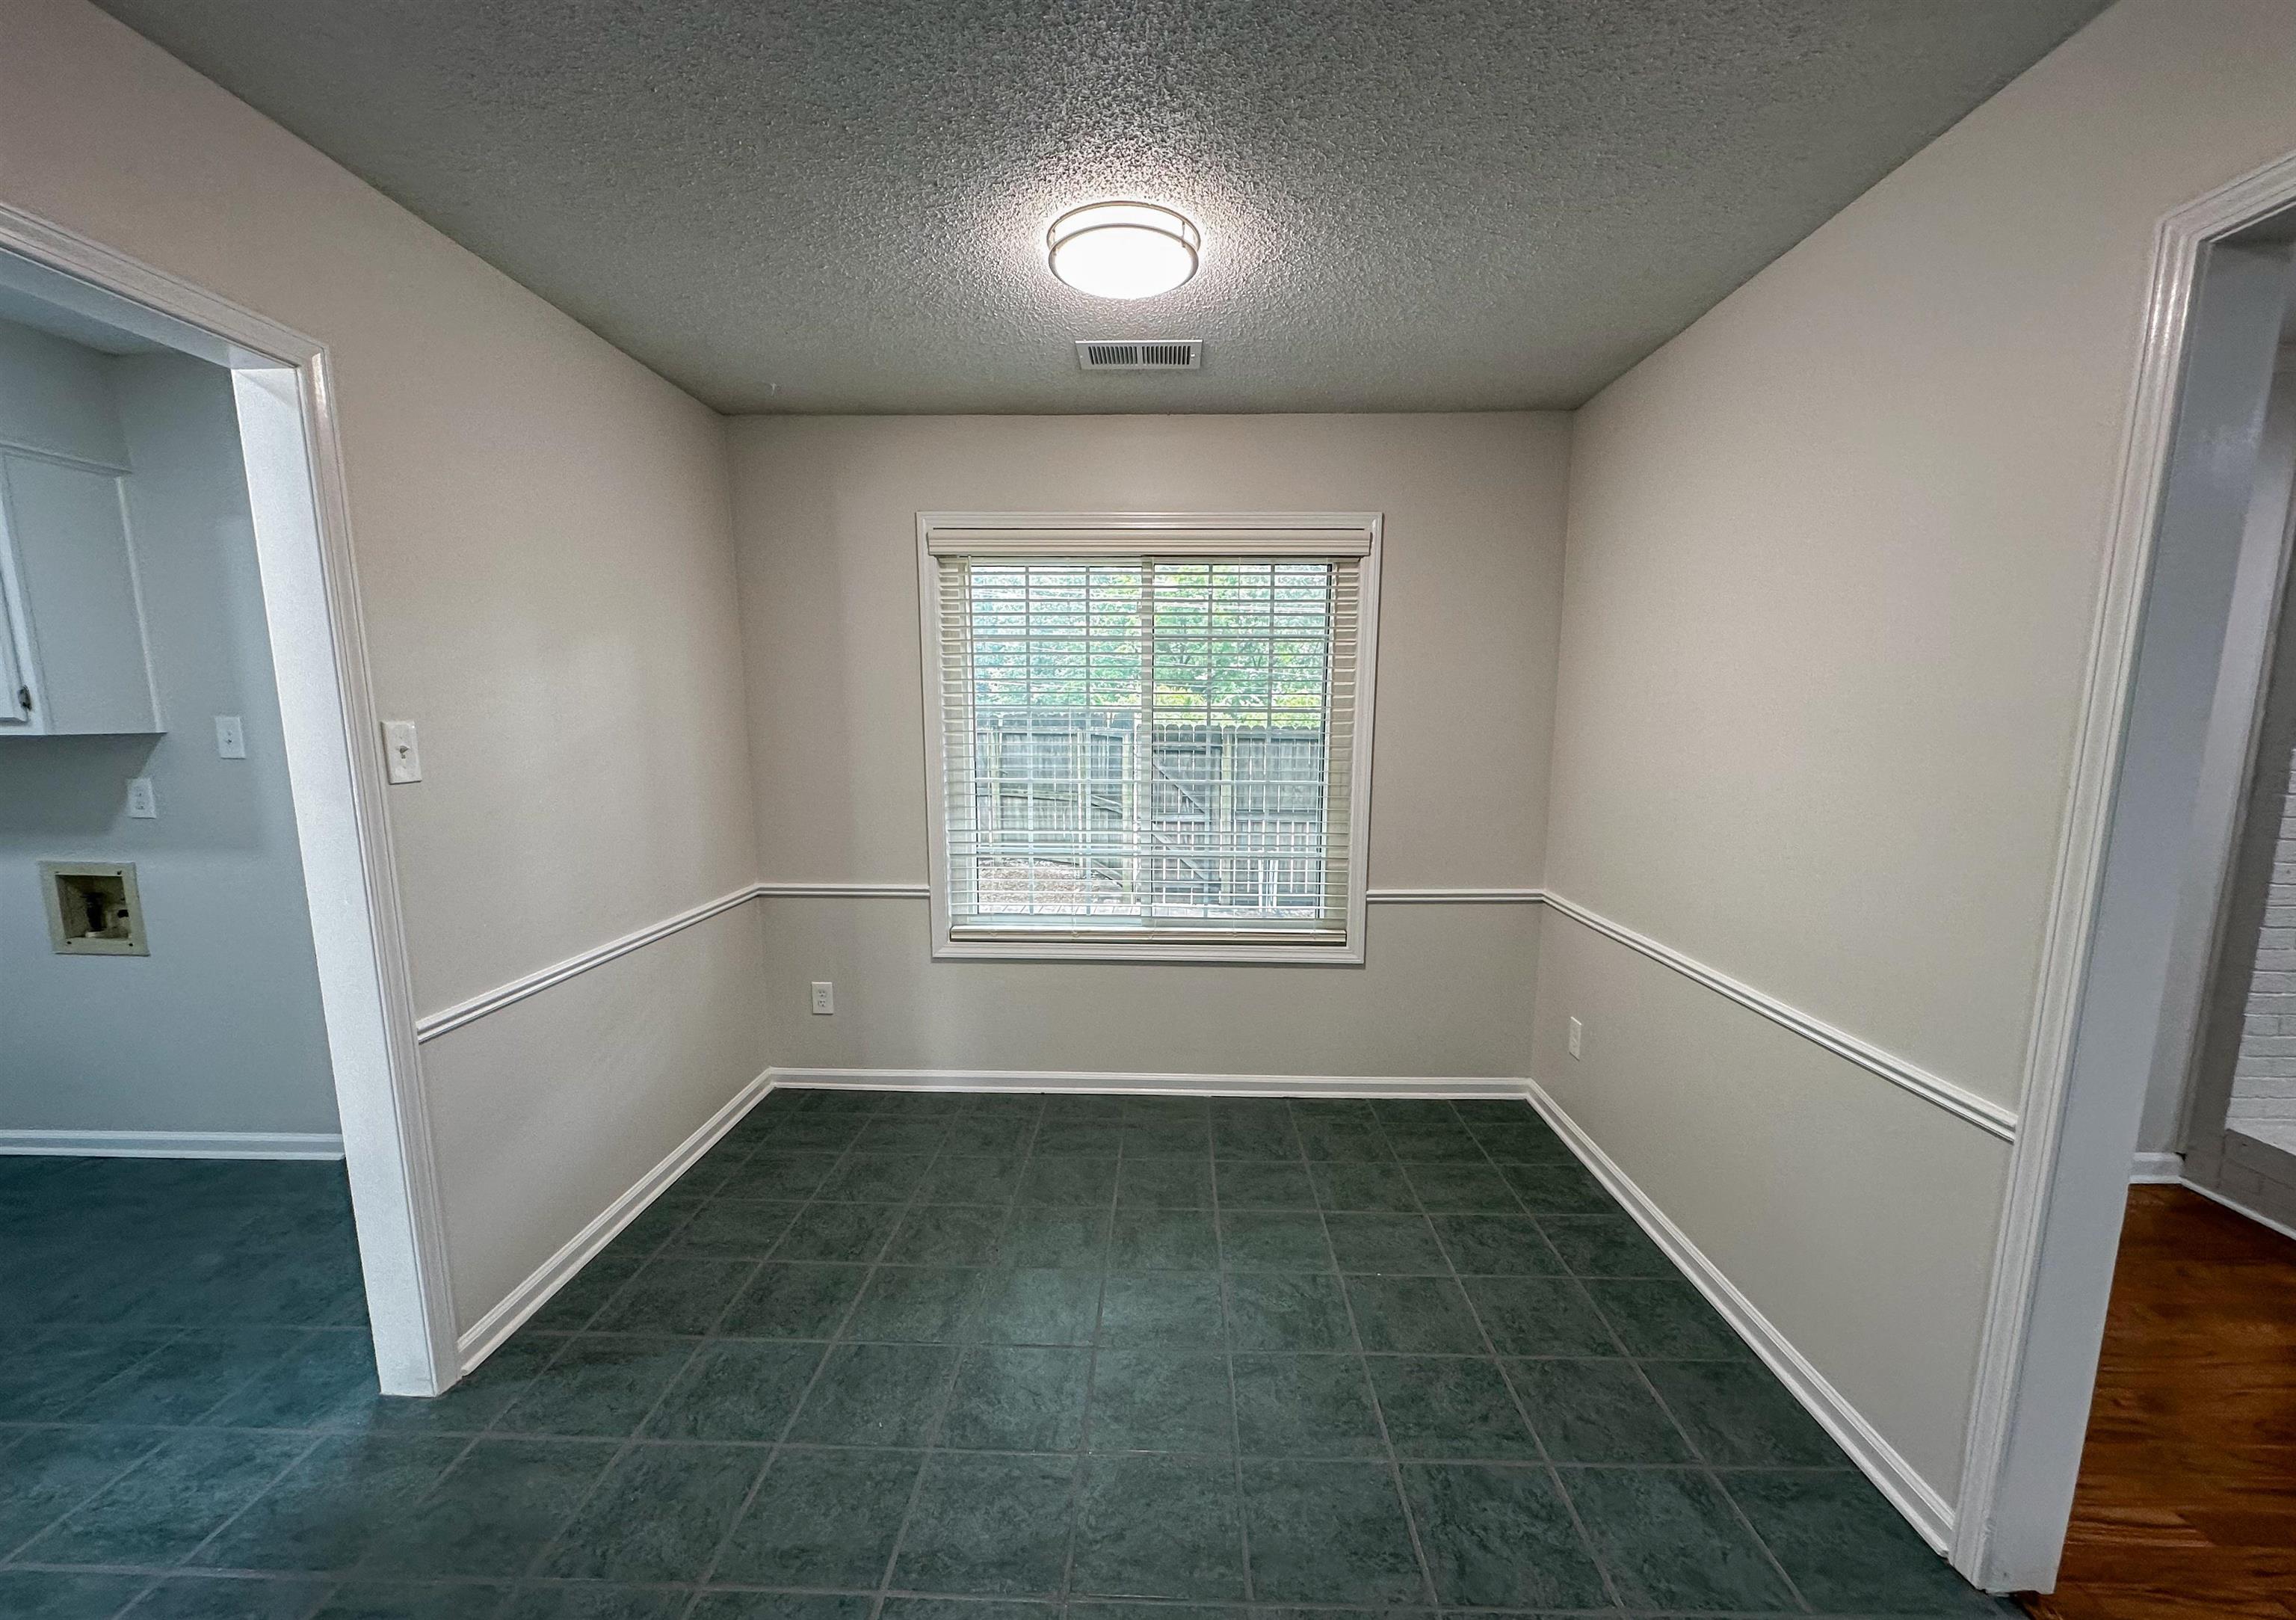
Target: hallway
point(2187, 1502)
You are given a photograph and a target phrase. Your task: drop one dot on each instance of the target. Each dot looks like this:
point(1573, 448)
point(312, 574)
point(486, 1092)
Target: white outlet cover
point(143, 803)
point(1577, 1036)
point(825, 997)
point(231, 737)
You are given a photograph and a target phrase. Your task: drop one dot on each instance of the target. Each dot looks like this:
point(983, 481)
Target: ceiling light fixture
point(1123, 249)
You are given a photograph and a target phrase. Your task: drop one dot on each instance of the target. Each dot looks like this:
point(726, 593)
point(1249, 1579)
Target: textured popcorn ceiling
point(839, 205)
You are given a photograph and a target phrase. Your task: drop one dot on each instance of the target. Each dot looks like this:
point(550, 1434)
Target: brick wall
point(2264, 1080)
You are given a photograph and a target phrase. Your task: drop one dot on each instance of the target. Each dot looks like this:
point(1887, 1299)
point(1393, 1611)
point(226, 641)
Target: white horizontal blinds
point(1148, 744)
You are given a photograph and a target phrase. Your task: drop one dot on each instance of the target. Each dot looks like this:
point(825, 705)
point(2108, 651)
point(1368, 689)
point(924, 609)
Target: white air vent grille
point(1162, 354)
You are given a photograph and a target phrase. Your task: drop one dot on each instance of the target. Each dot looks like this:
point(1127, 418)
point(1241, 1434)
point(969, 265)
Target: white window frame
point(1259, 534)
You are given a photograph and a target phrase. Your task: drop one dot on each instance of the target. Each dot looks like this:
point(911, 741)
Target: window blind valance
point(1149, 534)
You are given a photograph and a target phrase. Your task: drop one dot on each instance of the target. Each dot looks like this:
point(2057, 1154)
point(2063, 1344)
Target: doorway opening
point(209, 1096)
point(2158, 926)
point(2225, 1072)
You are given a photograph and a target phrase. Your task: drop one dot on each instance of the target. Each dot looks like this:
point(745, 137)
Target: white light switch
point(143, 803)
point(825, 997)
point(1578, 1037)
point(402, 754)
point(231, 737)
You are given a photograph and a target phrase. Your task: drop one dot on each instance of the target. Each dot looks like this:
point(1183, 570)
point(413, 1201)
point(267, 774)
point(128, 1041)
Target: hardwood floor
point(2186, 1506)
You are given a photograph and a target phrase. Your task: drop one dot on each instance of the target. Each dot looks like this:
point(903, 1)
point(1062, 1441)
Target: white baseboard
point(174, 1144)
point(2156, 1168)
point(1157, 1085)
point(485, 1336)
point(2238, 1208)
point(1924, 1509)
point(1928, 1511)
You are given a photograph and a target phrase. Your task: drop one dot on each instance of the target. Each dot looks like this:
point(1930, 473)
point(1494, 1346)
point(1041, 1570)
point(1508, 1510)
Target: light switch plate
point(402, 754)
point(231, 737)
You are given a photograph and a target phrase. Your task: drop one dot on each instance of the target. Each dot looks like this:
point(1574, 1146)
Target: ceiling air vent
point(1176, 354)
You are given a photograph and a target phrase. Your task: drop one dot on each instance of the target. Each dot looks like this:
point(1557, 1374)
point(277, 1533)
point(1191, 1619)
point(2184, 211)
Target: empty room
point(1246, 810)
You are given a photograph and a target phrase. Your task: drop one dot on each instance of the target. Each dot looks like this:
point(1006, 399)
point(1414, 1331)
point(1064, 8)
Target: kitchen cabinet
point(74, 657)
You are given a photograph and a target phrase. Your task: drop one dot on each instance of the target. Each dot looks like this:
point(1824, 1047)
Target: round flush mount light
point(1123, 249)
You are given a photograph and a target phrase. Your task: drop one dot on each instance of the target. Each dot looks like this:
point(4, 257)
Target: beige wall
point(1444, 991)
point(825, 519)
point(1794, 1172)
point(540, 525)
point(654, 1044)
point(1833, 554)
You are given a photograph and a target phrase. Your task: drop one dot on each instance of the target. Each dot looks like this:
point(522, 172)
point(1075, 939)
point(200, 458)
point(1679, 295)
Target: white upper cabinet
point(72, 647)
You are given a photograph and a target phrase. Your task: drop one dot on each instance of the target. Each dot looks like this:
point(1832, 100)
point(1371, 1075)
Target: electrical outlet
point(231, 737)
point(825, 997)
point(1578, 1037)
point(143, 803)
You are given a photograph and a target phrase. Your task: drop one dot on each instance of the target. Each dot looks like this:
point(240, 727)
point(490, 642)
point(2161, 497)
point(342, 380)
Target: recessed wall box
point(92, 908)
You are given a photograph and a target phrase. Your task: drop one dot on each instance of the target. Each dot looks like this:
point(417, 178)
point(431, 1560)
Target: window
point(1150, 736)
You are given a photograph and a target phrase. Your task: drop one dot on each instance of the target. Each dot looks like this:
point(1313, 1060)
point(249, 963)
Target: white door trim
point(2008, 1539)
point(285, 394)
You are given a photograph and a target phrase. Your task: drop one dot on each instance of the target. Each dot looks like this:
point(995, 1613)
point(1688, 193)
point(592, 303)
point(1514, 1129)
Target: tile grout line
point(236, 1515)
point(1546, 1459)
point(773, 1451)
point(1714, 1476)
point(1378, 1409)
point(326, 1587)
point(1738, 1512)
point(1065, 1594)
point(132, 1463)
point(157, 1573)
point(1705, 1468)
point(629, 1440)
point(359, 1568)
point(929, 1448)
point(885, 1262)
point(1227, 1345)
point(1689, 1441)
point(1786, 1468)
point(629, 1444)
point(145, 1590)
point(614, 1296)
point(169, 1335)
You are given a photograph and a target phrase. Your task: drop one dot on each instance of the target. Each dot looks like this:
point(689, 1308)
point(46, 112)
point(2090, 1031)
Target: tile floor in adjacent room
point(902, 1356)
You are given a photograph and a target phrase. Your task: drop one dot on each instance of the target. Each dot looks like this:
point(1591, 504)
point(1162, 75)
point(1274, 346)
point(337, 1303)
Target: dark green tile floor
point(888, 1356)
